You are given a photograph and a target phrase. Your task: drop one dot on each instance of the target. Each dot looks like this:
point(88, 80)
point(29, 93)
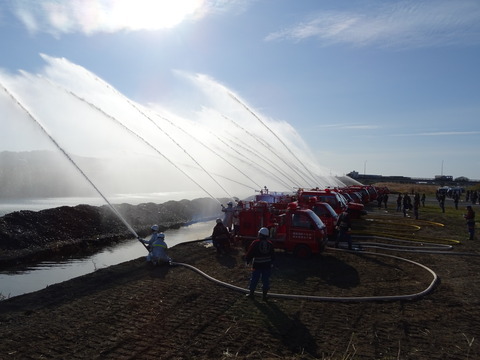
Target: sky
point(378, 87)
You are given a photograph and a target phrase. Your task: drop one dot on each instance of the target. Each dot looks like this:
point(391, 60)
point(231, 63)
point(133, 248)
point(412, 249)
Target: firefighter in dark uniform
point(344, 226)
point(261, 254)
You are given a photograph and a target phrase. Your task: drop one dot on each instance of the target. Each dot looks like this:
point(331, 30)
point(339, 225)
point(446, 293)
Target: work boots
point(251, 294)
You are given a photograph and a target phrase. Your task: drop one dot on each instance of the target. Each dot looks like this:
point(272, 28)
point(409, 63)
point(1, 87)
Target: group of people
point(382, 199)
point(404, 203)
point(226, 228)
point(260, 254)
point(157, 247)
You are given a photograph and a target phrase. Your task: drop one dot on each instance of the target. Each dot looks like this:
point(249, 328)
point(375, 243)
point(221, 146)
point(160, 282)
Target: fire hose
point(431, 248)
point(427, 290)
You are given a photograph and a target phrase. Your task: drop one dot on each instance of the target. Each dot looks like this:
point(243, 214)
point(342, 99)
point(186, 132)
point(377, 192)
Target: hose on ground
point(414, 296)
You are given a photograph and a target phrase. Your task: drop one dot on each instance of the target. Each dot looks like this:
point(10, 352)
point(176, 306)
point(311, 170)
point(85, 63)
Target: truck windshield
point(316, 219)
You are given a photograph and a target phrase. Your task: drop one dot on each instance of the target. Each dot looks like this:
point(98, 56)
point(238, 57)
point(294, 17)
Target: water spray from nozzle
point(276, 136)
point(29, 114)
point(212, 150)
point(137, 136)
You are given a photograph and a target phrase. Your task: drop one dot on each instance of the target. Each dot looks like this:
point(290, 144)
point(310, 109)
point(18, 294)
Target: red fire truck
point(292, 229)
point(326, 213)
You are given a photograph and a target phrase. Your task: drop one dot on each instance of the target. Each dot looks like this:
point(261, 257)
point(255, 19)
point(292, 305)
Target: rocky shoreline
point(29, 236)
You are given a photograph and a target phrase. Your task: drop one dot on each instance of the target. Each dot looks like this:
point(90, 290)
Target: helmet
point(263, 232)
point(154, 227)
point(161, 236)
point(229, 203)
point(219, 221)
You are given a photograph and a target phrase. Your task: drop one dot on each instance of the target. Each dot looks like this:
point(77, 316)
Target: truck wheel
point(302, 251)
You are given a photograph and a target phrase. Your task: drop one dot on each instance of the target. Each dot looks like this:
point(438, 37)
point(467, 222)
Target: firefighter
point(236, 217)
point(228, 218)
point(261, 254)
point(344, 226)
point(157, 247)
point(221, 237)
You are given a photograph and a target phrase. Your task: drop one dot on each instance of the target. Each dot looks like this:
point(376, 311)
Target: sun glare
point(153, 14)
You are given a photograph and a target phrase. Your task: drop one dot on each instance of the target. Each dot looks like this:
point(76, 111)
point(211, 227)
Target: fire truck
point(293, 229)
point(334, 198)
point(326, 213)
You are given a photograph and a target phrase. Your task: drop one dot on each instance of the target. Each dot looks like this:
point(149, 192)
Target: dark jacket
point(344, 221)
point(261, 252)
point(220, 232)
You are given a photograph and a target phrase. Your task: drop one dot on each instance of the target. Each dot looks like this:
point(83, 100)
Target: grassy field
point(107, 314)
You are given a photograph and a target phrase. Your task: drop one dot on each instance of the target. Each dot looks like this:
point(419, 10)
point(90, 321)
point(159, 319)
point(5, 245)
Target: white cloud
point(396, 24)
point(92, 16)
point(349, 126)
point(442, 133)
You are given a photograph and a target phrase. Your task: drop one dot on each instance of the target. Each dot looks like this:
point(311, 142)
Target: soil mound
point(36, 235)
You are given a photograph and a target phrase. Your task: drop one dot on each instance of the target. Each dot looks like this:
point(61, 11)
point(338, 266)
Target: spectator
point(385, 200)
point(399, 202)
point(470, 219)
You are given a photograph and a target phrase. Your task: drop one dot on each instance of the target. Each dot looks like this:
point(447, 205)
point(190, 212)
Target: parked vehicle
point(328, 216)
point(333, 198)
point(295, 230)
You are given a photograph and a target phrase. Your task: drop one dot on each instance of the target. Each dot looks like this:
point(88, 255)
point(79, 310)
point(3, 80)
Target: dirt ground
point(131, 311)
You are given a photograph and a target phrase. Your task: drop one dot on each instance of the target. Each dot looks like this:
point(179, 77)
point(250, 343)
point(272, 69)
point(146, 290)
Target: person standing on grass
point(416, 205)
point(456, 199)
point(470, 219)
point(261, 254)
point(344, 227)
point(221, 237)
point(399, 202)
point(441, 200)
point(407, 204)
point(385, 199)
point(423, 200)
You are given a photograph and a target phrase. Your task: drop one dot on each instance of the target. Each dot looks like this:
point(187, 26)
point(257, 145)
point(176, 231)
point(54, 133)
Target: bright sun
point(153, 14)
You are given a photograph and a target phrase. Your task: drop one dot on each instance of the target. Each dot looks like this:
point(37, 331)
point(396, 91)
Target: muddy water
point(48, 273)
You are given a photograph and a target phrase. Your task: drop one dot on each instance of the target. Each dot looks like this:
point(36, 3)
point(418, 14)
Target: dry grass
point(409, 188)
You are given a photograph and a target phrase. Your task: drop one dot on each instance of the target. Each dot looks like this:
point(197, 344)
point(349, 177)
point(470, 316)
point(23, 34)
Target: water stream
point(43, 274)
point(109, 142)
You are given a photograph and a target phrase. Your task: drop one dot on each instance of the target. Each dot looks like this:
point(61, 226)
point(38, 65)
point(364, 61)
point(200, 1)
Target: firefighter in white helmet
point(261, 254)
point(228, 218)
point(157, 247)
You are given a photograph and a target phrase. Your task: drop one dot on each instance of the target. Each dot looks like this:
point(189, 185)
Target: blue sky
point(385, 87)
